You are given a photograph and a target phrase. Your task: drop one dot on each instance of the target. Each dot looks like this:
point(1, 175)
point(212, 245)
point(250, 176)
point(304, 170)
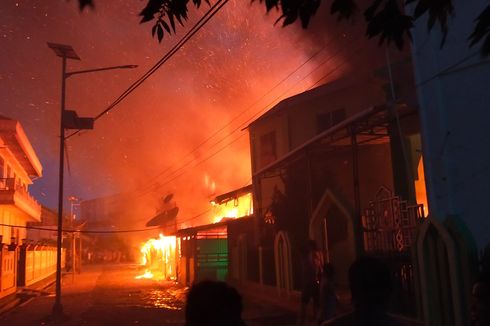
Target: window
point(327, 120)
point(268, 148)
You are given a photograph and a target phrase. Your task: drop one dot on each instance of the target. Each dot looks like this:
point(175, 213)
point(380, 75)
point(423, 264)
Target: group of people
point(218, 304)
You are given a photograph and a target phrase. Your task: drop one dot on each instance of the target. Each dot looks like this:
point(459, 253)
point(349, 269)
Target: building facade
point(339, 164)
point(19, 166)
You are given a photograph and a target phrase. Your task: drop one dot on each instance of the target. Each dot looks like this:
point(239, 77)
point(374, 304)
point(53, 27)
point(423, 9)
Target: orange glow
point(158, 257)
point(420, 190)
point(234, 208)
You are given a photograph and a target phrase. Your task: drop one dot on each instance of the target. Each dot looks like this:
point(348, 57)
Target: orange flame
point(158, 257)
point(235, 208)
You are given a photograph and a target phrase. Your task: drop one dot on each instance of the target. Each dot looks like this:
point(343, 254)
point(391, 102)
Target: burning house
point(211, 251)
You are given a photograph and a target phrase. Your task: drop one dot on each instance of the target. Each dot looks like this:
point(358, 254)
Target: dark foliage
point(482, 32)
point(385, 18)
point(387, 21)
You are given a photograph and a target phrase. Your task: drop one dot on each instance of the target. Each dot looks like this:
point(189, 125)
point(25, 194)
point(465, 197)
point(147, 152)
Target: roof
point(212, 226)
point(300, 99)
point(233, 194)
point(163, 218)
point(15, 139)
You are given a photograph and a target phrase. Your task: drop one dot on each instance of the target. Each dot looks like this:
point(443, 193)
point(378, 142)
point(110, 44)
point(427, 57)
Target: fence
point(389, 227)
point(36, 262)
point(7, 270)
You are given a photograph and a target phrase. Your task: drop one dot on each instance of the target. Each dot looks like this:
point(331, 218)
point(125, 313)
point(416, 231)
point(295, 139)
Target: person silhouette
point(328, 296)
point(370, 285)
point(312, 263)
point(213, 303)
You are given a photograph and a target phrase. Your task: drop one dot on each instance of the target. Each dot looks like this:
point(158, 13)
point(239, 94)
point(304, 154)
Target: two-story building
point(19, 166)
point(340, 164)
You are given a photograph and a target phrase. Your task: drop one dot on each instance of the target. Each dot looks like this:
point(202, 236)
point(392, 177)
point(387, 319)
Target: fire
point(235, 208)
point(158, 257)
point(420, 189)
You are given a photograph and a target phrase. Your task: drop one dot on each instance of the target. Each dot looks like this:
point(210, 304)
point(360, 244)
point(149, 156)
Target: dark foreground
point(110, 295)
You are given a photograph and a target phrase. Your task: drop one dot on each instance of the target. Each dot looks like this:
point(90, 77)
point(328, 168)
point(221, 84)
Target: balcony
point(15, 195)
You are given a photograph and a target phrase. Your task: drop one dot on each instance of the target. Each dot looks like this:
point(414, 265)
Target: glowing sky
point(224, 76)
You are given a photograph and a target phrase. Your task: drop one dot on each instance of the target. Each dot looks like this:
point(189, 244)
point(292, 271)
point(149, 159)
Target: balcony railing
point(19, 191)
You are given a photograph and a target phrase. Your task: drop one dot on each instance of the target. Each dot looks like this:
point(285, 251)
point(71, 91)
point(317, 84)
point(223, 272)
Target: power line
point(239, 115)
point(247, 109)
point(194, 29)
point(187, 164)
point(267, 107)
point(106, 231)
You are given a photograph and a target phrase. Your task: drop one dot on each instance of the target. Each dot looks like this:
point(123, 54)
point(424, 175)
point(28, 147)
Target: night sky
point(232, 63)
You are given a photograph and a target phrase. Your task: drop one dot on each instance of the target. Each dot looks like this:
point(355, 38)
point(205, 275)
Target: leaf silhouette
point(482, 32)
point(388, 22)
point(344, 9)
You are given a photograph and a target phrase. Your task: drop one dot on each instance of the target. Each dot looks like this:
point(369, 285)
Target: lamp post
point(67, 121)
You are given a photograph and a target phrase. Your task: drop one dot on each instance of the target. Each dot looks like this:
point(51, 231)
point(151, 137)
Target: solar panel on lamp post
point(66, 52)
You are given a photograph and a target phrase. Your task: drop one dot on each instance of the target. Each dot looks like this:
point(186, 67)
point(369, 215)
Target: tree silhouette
point(385, 18)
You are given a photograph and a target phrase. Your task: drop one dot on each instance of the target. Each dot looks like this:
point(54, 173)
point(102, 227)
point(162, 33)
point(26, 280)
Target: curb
point(15, 301)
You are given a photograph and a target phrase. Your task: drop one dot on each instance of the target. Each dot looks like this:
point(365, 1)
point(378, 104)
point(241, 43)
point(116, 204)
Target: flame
point(420, 188)
point(234, 208)
point(158, 257)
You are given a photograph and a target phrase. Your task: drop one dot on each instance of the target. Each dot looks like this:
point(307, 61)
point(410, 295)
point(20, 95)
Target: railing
point(389, 224)
point(10, 184)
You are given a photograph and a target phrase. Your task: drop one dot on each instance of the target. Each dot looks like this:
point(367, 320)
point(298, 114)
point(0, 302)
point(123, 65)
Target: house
point(339, 164)
point(216, 251)
point(19, 166)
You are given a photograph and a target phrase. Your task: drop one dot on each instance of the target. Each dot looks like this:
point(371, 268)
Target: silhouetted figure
point(213, 303)
point(312, 263)
point(370, 284)
point(328, 296)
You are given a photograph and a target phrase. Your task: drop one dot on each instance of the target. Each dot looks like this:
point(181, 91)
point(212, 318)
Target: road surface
point(111, 295)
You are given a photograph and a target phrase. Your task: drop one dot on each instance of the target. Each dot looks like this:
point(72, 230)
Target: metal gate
point(212, 255)
point(389, 227)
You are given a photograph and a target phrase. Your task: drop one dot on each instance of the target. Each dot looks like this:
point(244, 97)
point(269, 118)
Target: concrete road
point(110, 295)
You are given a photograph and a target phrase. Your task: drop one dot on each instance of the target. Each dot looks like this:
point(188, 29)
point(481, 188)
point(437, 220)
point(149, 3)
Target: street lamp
point(68, 120)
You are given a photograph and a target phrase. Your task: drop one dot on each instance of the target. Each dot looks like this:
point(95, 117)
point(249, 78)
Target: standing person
point(370, 285)
point(328, 296)
point(213, 303)
point(312, 270)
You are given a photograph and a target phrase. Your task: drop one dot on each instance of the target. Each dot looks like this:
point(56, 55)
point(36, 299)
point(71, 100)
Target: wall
point(35, 264)
point(454, 116)
point(8, 269)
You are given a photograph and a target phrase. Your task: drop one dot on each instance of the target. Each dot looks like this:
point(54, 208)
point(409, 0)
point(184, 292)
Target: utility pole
point(68, 120)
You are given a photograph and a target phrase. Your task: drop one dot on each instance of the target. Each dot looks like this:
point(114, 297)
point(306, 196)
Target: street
point(110, 295)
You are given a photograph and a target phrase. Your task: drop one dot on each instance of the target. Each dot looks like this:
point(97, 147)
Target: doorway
point(332, 228)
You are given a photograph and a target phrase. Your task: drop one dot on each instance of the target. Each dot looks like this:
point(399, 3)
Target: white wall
point(455, 118)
